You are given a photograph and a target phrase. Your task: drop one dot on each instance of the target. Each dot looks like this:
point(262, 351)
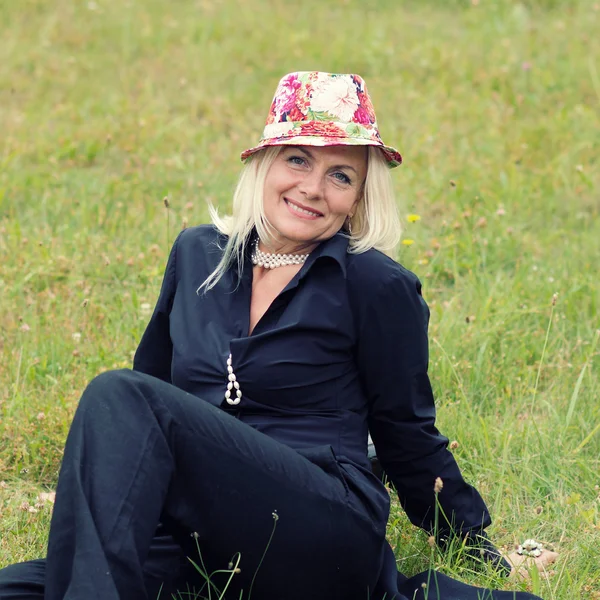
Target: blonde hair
point(375, 223)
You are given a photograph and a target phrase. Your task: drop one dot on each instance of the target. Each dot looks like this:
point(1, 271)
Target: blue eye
point(296, 160)
point(342, 177)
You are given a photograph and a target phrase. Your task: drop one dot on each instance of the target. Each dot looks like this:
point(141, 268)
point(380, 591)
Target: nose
point(311, 185)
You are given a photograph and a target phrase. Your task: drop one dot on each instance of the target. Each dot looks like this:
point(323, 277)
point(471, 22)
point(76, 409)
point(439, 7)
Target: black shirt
point(342, 351)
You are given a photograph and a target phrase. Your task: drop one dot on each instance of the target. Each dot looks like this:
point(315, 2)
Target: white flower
point(145, 308)
point(337, 96)
point(277, 129)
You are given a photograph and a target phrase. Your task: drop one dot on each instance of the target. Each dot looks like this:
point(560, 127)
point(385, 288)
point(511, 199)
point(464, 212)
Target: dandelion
point(413, 218)
point(438, 486)
point(408, 242)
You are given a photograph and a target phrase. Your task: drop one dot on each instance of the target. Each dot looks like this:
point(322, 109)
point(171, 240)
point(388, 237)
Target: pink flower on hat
point(285, 97)
point(361, 116)
point(336, 96)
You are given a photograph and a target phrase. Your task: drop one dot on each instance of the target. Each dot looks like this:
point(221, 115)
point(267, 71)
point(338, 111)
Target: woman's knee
point(109, 381)
point(117, 383)
point(117, 394)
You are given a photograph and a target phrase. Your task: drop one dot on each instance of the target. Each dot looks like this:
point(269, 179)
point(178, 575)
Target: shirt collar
point(335, 247)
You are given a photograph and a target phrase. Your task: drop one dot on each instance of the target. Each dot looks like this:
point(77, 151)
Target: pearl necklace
point(270, 260)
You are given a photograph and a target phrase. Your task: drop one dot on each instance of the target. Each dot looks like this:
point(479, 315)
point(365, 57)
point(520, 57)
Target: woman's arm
point(393, 361)
point(154, 353)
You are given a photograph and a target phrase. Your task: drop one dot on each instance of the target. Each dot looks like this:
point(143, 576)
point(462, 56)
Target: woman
point(282, 336)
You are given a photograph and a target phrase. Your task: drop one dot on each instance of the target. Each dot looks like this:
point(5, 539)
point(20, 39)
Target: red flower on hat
point(272, 116)
point(322, 128)
point(367, 107)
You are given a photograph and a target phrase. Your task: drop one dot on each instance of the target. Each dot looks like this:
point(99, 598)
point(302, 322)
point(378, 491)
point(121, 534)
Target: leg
point(141, 450)
point(166, 569)
point(23, 581)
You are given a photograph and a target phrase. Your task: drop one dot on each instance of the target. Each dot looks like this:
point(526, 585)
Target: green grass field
point(106, 108)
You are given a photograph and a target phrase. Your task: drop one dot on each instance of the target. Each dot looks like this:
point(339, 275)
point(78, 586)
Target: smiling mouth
point(302, 211)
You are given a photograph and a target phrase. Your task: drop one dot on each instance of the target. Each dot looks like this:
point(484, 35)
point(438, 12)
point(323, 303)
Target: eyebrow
point(304, 151)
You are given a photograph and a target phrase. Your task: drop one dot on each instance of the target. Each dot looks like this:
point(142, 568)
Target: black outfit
point(340, 352)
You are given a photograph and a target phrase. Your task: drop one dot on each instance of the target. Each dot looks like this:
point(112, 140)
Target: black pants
point(142, 452)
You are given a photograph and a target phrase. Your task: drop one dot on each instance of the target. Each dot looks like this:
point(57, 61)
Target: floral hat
point(311, 108)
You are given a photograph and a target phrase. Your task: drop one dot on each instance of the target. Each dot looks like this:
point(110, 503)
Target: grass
point(106, 108)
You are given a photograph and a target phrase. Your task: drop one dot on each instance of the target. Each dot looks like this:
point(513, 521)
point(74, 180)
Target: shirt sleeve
point(393, 357)
point(154, 353)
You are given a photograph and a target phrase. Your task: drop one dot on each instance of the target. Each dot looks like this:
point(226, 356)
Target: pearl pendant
point(231, 384)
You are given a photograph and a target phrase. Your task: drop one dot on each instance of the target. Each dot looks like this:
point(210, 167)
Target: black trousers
point(141, 452)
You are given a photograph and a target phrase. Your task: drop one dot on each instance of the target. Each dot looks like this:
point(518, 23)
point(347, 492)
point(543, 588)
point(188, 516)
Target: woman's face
point(310, 191)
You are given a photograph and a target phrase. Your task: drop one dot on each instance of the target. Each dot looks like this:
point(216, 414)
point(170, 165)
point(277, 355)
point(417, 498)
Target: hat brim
point(392, 156)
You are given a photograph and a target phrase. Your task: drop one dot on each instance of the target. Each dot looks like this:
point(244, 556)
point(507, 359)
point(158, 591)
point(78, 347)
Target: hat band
point(317, 128)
